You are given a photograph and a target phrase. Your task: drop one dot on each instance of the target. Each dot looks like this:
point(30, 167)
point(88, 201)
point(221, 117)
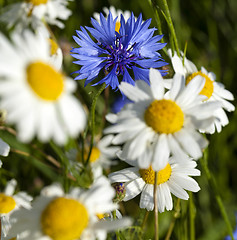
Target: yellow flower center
point(7, 203)
point(148, 175)
point(37, 2)
point(53, 47)
point(117, 26)
point(64, 219)
point(100, 215)
point(45, 81)
point(208, 87)
point(95, 154)
point(164, 116)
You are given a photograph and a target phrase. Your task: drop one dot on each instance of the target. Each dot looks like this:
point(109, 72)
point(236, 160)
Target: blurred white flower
point(35, 93)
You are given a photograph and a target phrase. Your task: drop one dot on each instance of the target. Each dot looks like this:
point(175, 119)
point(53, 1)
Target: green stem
point(176, 215)
point(156, 207)
point(92, 119)
point(171, 26)
point(191, 216)
point(213, 185)
point(144, 220)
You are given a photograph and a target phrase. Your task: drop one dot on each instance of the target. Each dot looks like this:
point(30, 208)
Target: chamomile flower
point(214, 91)
point(37, 96)
point(174, 178)
point(74, 215)
point(116, 13)
point(169, 121)
point(101, 156)
point(121, 55)
point(10, 202)
point(35, 12)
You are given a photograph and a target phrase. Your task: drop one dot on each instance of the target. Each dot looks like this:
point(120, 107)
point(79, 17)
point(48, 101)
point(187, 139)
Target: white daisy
point(37, 96)
point(35, 13)
point(73, 215)
point(115, 13)
point(214, 91)
point(174, 178)
point(168, 121)
point(10, 202)
point(101, 156)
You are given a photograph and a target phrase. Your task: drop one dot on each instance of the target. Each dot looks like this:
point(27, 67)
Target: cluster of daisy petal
point(158, 126)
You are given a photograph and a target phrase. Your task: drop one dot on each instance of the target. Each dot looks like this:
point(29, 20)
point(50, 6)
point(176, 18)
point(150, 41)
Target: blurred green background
point(210, 29)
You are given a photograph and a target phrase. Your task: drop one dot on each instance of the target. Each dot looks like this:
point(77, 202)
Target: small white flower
point(101, 156)
point(10, 202)
point(174, 178)
point(73, 215)
point(4, 150)
point(35, 12)
point(35, 93)
point(214, 91)
point(169, 121)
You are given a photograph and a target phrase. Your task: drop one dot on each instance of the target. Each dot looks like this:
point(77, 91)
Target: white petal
point(4, 148)
point(124, 175)
point(147, 200)
point(177, 86)
point(134, 188)
point(157, 83)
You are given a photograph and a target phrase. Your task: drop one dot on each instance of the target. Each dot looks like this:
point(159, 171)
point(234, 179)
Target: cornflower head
point(123, 51)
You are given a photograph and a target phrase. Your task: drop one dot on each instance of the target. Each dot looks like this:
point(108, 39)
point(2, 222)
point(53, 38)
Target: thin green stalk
point(144, 220)
point(92, 119)
point(213, 185)
point(192, 214)
point(176, 215)
point(156, 207)
point(171, 26)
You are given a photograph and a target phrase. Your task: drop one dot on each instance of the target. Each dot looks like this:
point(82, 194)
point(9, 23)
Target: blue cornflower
point(119, 103)
point(122, 55)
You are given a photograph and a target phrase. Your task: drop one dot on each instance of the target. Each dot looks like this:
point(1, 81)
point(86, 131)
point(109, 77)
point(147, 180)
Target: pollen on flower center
point(148, 175)
point(164, 116)
point(45, 81)
point(117, 26)
point(7, 203)
point(64, 219)
point(37, 2)
point(208, 87)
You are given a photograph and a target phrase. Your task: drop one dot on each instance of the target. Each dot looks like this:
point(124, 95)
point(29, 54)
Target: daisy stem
point(92, 119)
point(192, 213)
point(176, 215)
point(144, 220)
point(171, 26)
point(156, 208)
point(213, 185)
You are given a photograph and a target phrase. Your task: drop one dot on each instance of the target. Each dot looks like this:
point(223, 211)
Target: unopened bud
point(120, 191)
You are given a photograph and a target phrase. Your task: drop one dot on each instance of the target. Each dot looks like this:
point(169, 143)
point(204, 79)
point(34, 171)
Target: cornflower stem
point(175, 216)
point(156, 207)
point(171, 26)
point(191, 216)
point(92, 119)
point(213, 185)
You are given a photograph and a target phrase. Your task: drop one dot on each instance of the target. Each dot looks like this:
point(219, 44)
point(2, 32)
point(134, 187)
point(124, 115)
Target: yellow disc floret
point(148, 175)
point(117, 26)
point(64, 219)
point(95, 154)
point(37, 2)
point(53, 47)
point(208, 87)
point(45, 81)
point(7, 203)
point(164, 116)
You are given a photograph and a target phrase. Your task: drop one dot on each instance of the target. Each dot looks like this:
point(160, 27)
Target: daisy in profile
point(214, 91)
point(102, 155)
point(10, 202)
point(123, 54)
point(116, 13)
point(4, 150)
point(35, 12)
point(74, 215)
point(174, 178)
point(169, 121)
point(37, 95)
